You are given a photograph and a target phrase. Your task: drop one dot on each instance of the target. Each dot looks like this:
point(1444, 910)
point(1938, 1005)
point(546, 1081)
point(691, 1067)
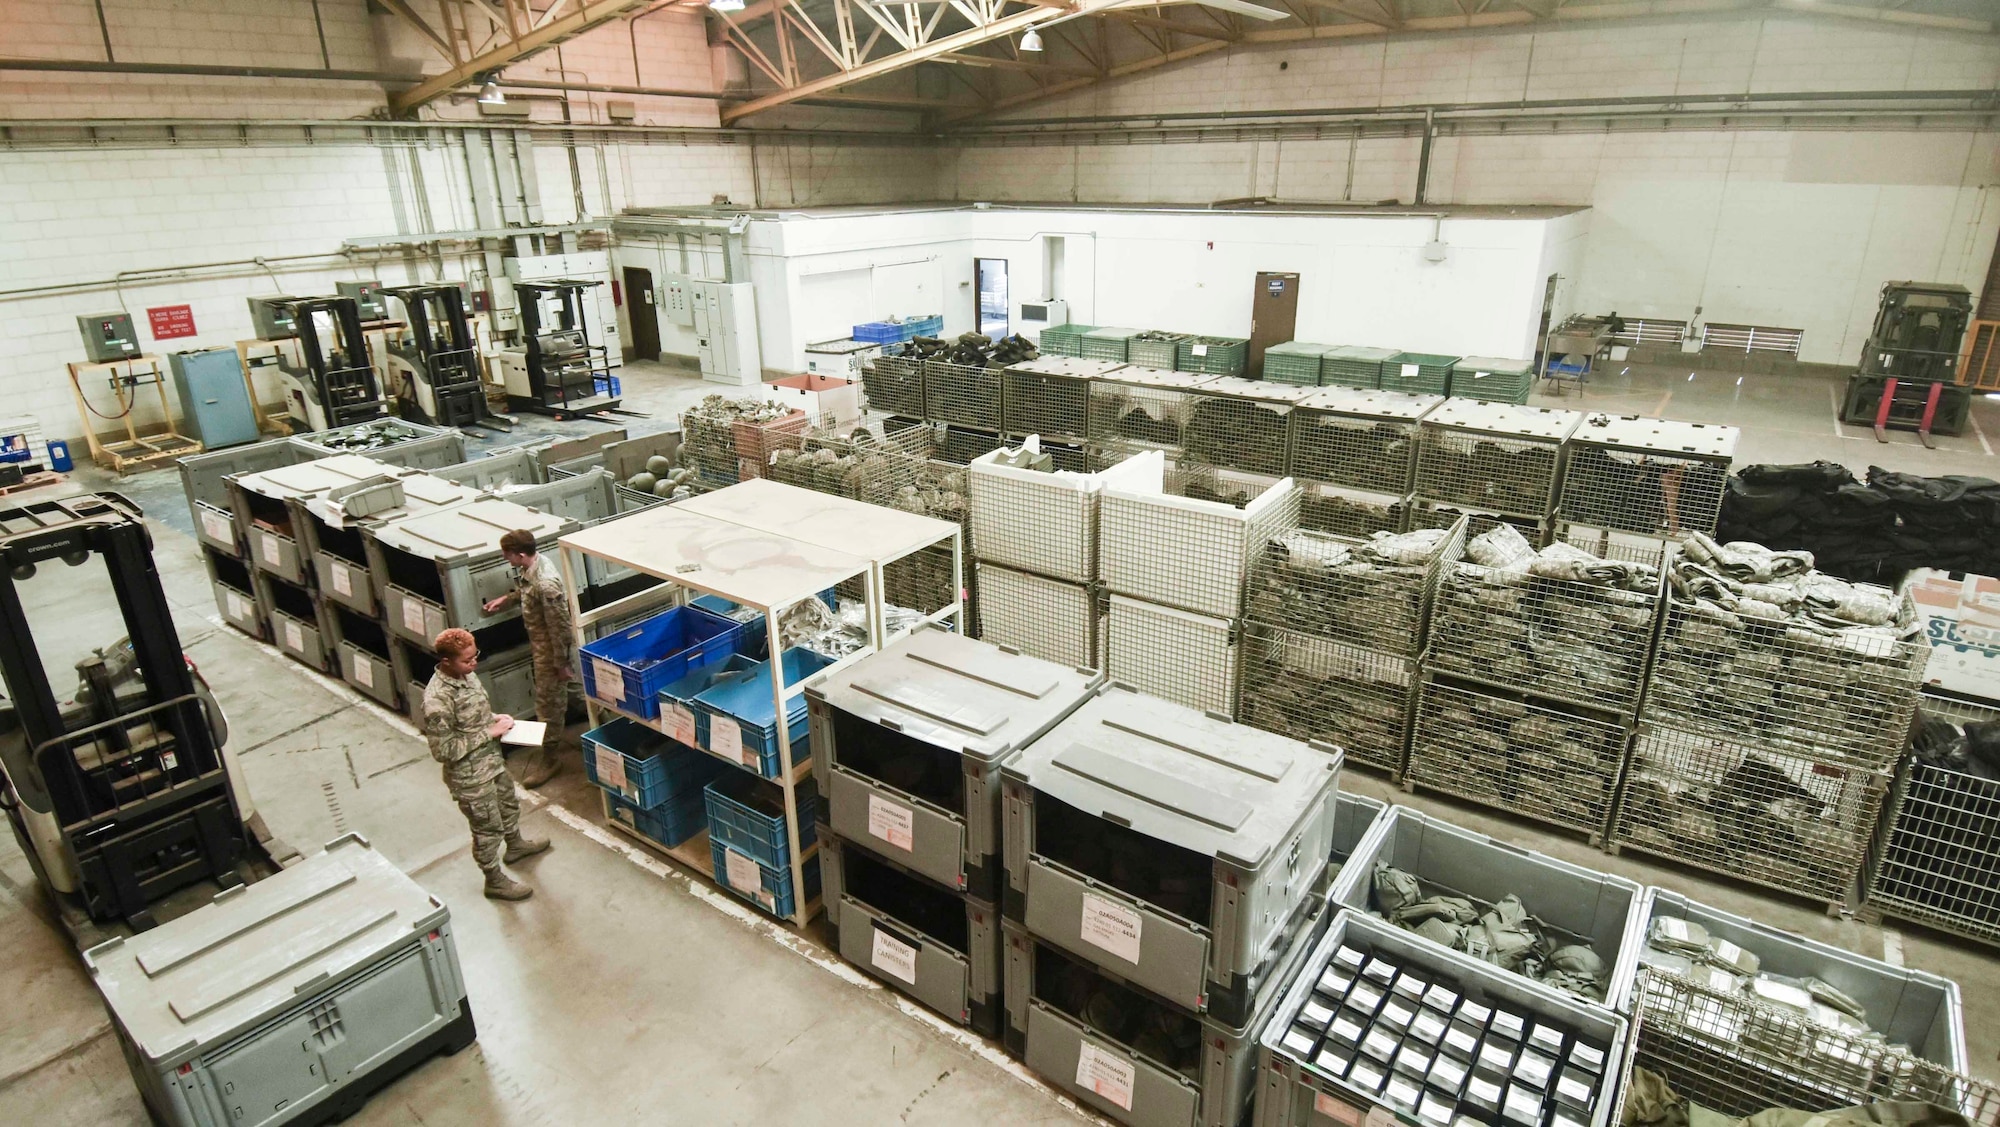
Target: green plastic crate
point(1064, 340)
point(1219, 356)
point(1107, 344)
point(1353, 365)
point(1294, 362)
point(1492, 378)
point(1423, 373)
point(1156, 348)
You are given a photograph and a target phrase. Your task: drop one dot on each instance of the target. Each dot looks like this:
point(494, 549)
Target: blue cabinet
point(215, 401)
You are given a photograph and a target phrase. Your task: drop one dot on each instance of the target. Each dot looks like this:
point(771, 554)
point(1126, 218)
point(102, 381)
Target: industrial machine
point(1031, 317)
point(122, 794)
point(215, 398)
point(434, 361)
point(1908, 373)
point(556, 369)
point(331, 383)
point(272, 316)
point(370, 298)
point(108, 337)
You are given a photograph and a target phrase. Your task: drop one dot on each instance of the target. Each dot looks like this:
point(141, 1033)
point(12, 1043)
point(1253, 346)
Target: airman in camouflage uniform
point(461, 729)
point(545, 612)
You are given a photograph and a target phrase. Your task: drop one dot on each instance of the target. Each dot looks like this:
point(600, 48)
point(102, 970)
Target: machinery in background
point(216, 407)
point(556, 369)
point(332, 383)
point(123, 794)
point(371, 300)
point(1908, 373)
point(271, 316)
point(108, 337)
point(434, 361)
point(1031, 317)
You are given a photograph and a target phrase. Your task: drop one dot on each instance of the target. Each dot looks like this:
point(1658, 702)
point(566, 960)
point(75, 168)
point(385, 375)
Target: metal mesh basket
point(1493, 456)
point(1063, 340)
point(1349, 512)
point(1294, 362)
point(894, 384)
point(1632, 547)
point(1187, 553)
point(1313, 688)
point(1354, 365)
point(1580, 642)
point(1837, 696)
point(1050, 397)
point(1243, 425)
point(960, 445)
point(1042, 522)
point(1155, 348)
point(962, 394)
point(1517, 753)
point(708, 446)
point(1646, 475)
point(1361, 439)
point(1478, 521)
point(1787, 822)
point(1045, 618)
point(1135, 409)
point(1172, 654)
point(1937, 854)
point(1320, 585)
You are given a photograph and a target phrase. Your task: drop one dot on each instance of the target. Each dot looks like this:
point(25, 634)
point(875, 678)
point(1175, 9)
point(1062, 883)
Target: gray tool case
point(940, 948)
point(1169, 846)
point(290, 1000)
point(908, 746)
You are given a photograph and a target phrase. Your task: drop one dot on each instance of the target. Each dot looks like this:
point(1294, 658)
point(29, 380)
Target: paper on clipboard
point(525, 733)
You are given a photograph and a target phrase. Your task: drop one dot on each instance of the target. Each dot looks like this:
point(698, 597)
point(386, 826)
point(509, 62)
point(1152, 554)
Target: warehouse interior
point(1239, 563)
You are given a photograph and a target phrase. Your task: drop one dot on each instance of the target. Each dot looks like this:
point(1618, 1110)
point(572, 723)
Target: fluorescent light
point(1032, 41)
point(489, 94)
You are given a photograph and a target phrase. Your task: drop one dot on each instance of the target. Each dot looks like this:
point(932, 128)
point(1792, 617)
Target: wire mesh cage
point(1172, 654)
point(1362, 439)
point(1579, 630)
point(1293, 362)
point(1792, 823)
point(1351, 512)
point(1937, 854)
point(1375, 594)
point(962, 394)
point(726, 440)
point(1314, 688)
point(1241, 424)
point(1478, 522)
point(1063, 340)
point(1187, 553)
point(871, 463)
point(1051, 396)
point(1740, 1056)
point(1423, 373)
point(1046, 522)
point(960, 445)
point(1610, 543)
point(1134, 409)
point(1517, 753)
point(1353, 365)
point(1046, 618)
point(1841, 695)
point(1495, 456)
point(1646, 475)
point(894, 384)
point(1155, 348)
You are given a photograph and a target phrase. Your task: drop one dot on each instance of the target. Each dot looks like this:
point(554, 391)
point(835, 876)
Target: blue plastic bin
point(683, 691)
point(881, 332)
point(926, 326)
point(657, 770)
point(744, 815)
point(669, 825)
point(744, 699)
point(608, 385)
point(776, 883)
point(657, 651)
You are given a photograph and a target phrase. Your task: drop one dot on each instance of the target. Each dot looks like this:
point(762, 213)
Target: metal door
point(1274, 315)
point(640, 306)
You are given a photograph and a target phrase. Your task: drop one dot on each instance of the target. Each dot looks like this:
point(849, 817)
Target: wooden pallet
point(32, 481)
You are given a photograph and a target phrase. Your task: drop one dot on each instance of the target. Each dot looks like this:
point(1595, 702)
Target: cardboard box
point(1961, 615)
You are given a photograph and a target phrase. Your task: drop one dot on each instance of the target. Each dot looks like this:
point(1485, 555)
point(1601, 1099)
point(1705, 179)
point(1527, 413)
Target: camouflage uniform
point(552, 641)
point(456, 718)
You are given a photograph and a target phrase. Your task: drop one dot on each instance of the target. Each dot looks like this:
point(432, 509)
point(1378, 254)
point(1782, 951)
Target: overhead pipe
point(1424, 156)
point(198, 70)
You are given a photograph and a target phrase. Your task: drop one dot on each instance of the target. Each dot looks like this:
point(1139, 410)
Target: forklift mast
point(336, 359)
point(442, 350)
point(564, 366)
point(133, 781)
point(1918, 329)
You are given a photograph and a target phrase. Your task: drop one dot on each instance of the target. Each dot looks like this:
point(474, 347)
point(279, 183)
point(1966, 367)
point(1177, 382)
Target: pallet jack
point(556, 370)
point(124, 795)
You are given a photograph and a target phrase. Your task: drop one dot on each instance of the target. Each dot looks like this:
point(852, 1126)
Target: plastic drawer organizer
point(1937, 853)
point(1654, 477)
point(1494, 456)
point(222, 1026)
point(1051, 396)
point(908, 745)
point(1726, 1040)
point(941, 949)
point(1380, 1024)
point(1172, 848)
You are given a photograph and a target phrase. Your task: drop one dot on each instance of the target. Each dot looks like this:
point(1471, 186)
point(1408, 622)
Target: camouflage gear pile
point(456, 717)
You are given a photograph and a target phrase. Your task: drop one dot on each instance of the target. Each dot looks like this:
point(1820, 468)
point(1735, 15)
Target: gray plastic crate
point(1245, 817)
point(437, 570)
point(1354, 816)
point(940, 948)
point(1583, 905)
point(375, 439)
point(1303, 1082)
point(334, 541)
point(909, 743)
point(1656, 476)
point(1239, 424)
point(1495, 456)
point(204, 480)
point(1363, 439)
point(266, 505)
point(1051, 396)
point(1936, 859)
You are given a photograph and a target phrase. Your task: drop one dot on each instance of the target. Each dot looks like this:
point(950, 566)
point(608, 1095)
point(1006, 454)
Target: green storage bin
point(1422, 373)
point(1492, 378)
point(1064, 340)
point(1214, 356)
point(1353, 365)
point(1156, 348)
point(1106, 344)
point(1294, 362)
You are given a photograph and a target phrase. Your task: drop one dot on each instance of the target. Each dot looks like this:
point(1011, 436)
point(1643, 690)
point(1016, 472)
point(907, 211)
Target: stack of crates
point(1936, 859)
point(1420, 373)
point(1354, 452)
point(626, 669)
point(1162, 868)
point(912, 859)
point(1215, 356)
point(1243, 425)
point(1107, 344)
point(748, 844)
point(652, 785)
point(1353, 365)
point(1294, 362)
point(1636, 481)
point(1494, 379)
point(1050, 397)
point(895, 385)
point(1174, 568)
point(1155, 348)
point(1332, 637)
point(1492, 461)
point(1134, 409)
point(1064, 340)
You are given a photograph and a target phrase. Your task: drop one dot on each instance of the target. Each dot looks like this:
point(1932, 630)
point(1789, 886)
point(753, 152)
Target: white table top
point(853, 528)
point(744, 565)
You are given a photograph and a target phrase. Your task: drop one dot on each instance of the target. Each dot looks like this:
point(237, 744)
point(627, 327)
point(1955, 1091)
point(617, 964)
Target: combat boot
point(540, 769)
point(500, 886)
point(521, 848)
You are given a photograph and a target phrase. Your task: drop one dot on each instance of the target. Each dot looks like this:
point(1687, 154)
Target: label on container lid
point(364, 672)
point(1108, 1075)
point(894, 957)
point(1346, 1115)
point(295, 637)
point(893, 822)
point(725, 738)
point(607, 681)
point(610, 768)
point(1410, 371)
point(413, 616)
point(271, 549)
point(1481, 375)
point(342, 582)
point(679, 723)
point(1198, 349)
point(741, 872)
point(217, 527)
point(1113, 927)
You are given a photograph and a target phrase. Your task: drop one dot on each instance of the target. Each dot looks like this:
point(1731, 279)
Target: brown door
point(1274, 317)
point(643, 313)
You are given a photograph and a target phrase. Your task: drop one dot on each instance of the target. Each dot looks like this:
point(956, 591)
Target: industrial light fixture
point(725, 5)
point(1032, 40)
point(489, 91)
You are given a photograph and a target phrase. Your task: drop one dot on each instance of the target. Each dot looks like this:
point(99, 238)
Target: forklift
point(556, 370)
point(333, 384)
point(1908, 373)
point(435, 361)
point(123, 798)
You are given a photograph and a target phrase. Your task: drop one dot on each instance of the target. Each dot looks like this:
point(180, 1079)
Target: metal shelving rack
point(767, 547)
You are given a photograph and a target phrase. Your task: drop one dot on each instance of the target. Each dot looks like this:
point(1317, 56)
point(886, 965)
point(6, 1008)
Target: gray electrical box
point(369, 300)
point(108, 336)
point(271, 317)
point(293, 998)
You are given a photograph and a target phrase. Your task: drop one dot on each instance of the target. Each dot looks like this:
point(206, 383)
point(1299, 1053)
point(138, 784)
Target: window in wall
point(1751, 338)
point(989, 277)
point(1650, 330)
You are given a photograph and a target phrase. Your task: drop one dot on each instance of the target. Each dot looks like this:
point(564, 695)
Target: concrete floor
point(626, 990)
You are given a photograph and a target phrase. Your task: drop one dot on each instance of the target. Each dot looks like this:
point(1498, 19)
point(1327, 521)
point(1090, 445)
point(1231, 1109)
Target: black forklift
point(556, 369)
point(1908, 375)
point(333, 384)
point(435, 361)
point(122, 797)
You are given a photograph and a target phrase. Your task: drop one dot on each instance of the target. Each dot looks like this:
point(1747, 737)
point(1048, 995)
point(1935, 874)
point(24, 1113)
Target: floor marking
point(1983, 444)
point(1892, 947)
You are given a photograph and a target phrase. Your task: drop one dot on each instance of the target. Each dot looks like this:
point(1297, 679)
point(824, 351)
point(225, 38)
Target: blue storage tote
point(881, 332)
point(645, 657)
point(926, 326)
point(669, 825)
point(655, 770)
point(744, 699)
point(745, 815)
point(774, 891)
